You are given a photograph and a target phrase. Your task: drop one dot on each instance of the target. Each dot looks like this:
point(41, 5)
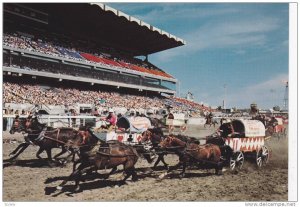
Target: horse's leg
point(17, 149)
point(157, 161)
point(128, 173)
point(134, 175)
point(39, 152)
point(23, 146)
point(78, 176)
point(113, 170)
point(170, 169)
point(63, 151)
point(75, 162)
point(182, 174)
point(49, 154)
point(73, 174)
point(163, 160)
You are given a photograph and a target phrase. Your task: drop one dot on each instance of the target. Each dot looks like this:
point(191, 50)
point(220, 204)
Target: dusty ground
point(28, 178)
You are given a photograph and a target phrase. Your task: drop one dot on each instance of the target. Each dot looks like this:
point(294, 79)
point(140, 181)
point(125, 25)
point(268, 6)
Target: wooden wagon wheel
point(236, 161)
point(262, 156)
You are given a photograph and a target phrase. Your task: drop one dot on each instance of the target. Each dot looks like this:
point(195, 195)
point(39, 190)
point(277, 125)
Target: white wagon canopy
point(134, 124)
point(249, 128)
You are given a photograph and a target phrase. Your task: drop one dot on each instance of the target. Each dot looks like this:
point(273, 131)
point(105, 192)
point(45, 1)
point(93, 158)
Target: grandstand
point(87, 55)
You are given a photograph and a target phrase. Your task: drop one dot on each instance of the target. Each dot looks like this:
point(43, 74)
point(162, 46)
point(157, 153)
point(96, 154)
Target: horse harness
point(42, 136)
point(199, 148)
point(109, 154)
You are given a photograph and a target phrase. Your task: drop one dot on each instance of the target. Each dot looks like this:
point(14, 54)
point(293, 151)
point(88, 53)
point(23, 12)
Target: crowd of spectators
point(34, 94)
point(56, 49)
point(38, 95)
point(182, 104)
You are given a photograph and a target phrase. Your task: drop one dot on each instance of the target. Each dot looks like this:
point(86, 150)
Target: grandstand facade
point(91, 43)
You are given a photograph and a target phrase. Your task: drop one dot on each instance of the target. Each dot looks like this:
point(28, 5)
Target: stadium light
point(60, 80)
point(92, 84)
point(20, 74)
point(118, 86)
point(34, 77)
point(8, 73)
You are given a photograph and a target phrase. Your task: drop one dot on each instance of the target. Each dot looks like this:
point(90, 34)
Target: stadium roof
point(107, 25)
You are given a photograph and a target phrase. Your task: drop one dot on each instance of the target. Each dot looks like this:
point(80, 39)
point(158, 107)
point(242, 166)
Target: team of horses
point(94, 154)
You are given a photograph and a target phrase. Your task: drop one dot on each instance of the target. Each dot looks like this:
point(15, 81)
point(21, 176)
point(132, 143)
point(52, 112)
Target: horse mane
point(188, 139)
point(157, 131)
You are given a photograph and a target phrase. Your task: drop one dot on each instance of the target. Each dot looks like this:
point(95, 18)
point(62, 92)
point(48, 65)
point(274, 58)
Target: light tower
point(224, 101)
point(286, 96)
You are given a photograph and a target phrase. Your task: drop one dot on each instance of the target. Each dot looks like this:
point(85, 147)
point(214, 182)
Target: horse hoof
point(59, 187)
point(134, 179)
point(162, 175)
point(77, 189)
point(105, 177)
point(63, 162)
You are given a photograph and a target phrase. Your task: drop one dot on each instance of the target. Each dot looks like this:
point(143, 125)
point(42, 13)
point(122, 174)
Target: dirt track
point(27, 179)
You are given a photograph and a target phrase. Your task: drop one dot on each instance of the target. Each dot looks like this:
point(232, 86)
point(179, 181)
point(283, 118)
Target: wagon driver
point(111, 120)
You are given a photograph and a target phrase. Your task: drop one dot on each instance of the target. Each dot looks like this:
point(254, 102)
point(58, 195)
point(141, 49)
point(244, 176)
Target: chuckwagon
point(276, 128)
point(242, 138)
point(176, 121)
point(127, 130)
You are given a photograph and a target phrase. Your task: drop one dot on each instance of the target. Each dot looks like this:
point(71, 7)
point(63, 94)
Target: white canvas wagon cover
point(279, 120)
point(134, 124)
point(251, 128)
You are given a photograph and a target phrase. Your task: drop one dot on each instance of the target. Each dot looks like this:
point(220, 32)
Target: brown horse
point(46, 138)
point(210, 121)
point(154, 137)
point(189, 152)
point(109, 155)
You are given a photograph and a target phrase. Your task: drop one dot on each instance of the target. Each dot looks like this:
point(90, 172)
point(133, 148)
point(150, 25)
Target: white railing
point(55, 121)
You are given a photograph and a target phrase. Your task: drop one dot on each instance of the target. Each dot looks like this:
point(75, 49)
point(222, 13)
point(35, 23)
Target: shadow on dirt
point(31, 163)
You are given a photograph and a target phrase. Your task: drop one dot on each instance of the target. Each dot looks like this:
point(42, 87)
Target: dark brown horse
point(108, 156)
point(46, 138)
point(205, 155)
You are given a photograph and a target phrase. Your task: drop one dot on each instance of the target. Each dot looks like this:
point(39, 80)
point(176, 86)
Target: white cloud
point(171, 11)
point(239, 33)
point(266, 94)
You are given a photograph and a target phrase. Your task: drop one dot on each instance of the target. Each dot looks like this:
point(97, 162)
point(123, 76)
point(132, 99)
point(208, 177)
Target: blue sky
point(242, 45)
